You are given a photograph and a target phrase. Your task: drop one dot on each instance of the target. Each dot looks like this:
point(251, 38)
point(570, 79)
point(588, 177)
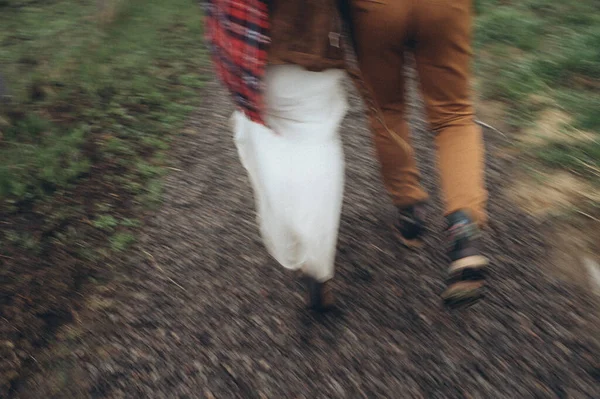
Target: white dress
point(296, 166)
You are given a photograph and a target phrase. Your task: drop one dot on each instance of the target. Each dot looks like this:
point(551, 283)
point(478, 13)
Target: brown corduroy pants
point(438, 33)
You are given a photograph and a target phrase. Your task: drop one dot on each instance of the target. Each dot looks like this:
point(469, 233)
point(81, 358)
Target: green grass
point(543, 49)
point(121, 241)
point(90, 106)
point(582, 158)
point(106, 222)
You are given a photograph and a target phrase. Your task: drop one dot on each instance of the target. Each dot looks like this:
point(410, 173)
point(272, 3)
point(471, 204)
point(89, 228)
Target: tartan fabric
point(237, 32)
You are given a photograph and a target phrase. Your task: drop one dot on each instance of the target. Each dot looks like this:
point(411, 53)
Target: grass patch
point(106, 222)
point(121, 241)
point(90, 99)
point(582, 158)
point(536, 54)
point(93, 93)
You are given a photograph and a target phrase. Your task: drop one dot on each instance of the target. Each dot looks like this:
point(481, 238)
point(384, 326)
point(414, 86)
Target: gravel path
point(201, 311)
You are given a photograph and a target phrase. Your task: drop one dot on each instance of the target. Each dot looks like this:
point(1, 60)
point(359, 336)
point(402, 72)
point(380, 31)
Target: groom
point(438, 34)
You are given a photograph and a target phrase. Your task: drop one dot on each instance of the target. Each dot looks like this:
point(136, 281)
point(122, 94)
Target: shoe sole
point(461, 296)
point(476, 262)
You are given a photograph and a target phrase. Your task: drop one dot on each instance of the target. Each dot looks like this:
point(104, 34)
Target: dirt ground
point(199, 310)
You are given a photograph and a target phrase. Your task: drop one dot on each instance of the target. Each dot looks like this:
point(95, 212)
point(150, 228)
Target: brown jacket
point(306, 33)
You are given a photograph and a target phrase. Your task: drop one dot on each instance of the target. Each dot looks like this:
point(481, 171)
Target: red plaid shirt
point(237, 32)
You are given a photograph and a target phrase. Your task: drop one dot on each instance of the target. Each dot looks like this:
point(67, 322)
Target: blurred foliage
point(536, 54)
point(92, 94)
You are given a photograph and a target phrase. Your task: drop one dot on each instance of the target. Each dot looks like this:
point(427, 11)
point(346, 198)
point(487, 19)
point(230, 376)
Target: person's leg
point(303, 173)
point(443, 56)
point(379, 29)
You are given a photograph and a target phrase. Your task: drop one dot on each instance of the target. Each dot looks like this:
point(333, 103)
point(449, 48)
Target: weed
point(105, 222)
point(121, 241)
point(131, 223)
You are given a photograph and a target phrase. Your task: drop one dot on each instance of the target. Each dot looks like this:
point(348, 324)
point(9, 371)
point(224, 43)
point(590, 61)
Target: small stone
point(8, 344)
point(562, 347)
point(337, 387)
point(263, 363)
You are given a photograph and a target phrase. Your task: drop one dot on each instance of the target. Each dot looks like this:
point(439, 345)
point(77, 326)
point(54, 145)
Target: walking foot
point(465, 283)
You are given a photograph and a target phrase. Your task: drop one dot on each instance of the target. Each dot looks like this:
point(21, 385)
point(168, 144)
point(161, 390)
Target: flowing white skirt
point(296, 166)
